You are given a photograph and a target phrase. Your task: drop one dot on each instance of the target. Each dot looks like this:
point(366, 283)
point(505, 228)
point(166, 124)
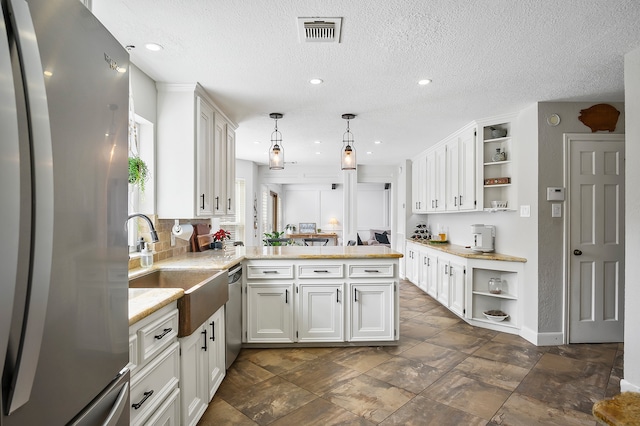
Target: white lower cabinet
point(372, 311)
point(155, 372)
point(270, 312)
point(461, 284)
point(202, 367)
point(320, 312)
point(334, 301)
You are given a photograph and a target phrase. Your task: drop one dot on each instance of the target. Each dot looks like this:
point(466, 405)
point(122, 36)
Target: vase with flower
point(218, 239)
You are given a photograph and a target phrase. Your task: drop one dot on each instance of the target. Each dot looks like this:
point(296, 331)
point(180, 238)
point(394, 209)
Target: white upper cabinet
point(460, 177)
point(419, 187)
point(192, 140)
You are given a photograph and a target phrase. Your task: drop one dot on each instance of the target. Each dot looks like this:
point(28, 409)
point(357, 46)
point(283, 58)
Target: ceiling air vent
point(319, 30)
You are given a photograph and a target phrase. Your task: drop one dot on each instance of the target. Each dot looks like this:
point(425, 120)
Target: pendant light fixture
point(348, 160)
point(276, 152)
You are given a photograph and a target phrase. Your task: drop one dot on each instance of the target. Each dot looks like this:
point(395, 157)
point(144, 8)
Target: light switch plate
point(556, 210)
point(525, 211)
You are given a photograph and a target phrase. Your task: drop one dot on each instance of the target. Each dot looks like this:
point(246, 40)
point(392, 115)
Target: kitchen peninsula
point(342, 280)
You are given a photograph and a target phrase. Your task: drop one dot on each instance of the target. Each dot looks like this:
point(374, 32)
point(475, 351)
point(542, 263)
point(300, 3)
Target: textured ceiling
point(485, 58)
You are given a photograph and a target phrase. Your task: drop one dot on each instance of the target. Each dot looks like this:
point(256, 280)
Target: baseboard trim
point(542, 339)
point(626, 386)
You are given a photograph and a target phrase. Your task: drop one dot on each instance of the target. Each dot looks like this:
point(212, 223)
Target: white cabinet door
point(193, 377)
point(456, 288)
point(216, 351)
point(270, 312)
point(320, 312)
point(419, 185)
point(432, 275)
point(436, 167)
point(204, 157)
point(372, 311)
point(443, 282)
point(230, 175)
point(411, 263)
point(467, 170)
point(220, 186)
point(451, 175)
point(423, 270)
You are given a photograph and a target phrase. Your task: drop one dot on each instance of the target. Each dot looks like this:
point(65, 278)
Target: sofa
point(374, 237)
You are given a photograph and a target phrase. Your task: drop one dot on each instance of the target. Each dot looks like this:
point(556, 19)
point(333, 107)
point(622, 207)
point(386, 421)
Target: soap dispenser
point(146, 258)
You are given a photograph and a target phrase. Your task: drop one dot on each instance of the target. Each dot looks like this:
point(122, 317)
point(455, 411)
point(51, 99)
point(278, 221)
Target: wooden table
point(333, 236)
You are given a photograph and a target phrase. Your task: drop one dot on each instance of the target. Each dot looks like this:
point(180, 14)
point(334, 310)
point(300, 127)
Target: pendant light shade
point(276, 151)
point(348, 154)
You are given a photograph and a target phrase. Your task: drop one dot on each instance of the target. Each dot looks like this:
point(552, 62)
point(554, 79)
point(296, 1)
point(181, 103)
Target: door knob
point(577, 252)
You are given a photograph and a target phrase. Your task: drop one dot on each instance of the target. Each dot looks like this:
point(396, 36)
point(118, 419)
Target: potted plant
point(272, 235)
point(219, 237)
point(138, 172)
point(290, 229)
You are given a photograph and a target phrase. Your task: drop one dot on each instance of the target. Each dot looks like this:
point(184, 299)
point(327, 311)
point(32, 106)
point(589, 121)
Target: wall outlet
point(525, 211)
point(556, 210)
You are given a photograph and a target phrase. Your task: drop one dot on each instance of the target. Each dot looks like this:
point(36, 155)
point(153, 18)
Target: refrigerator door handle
point(10, 190)
point(118, 408)
point(43, 209)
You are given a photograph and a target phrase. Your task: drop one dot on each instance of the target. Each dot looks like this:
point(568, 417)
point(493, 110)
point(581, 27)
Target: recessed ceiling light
point(315, 81)
point(377, 142)
point(317, 142)
point(257, 142)
point(318, 153)
point(154, 47)
point(47, 73)
point(424, 82)
point(369, 152)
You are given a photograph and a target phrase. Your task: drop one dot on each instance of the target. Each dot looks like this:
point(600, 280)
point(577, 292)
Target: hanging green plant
point(138, 172)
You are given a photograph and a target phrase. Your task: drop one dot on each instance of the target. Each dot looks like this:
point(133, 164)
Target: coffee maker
point(484, 237)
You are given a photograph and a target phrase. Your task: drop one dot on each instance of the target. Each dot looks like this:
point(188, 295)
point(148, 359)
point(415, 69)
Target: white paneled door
point(596, 237)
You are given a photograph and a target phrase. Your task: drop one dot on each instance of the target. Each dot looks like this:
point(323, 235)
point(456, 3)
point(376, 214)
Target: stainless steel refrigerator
point(63, 207)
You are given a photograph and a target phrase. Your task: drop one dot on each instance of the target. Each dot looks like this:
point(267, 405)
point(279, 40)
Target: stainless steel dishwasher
point(233, 314)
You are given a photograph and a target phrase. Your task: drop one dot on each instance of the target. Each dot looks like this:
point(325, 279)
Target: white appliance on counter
point(64, 94)
point(484, 238)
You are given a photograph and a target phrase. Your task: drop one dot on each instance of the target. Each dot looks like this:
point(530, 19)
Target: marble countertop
point(468, 253)
point(145, 301)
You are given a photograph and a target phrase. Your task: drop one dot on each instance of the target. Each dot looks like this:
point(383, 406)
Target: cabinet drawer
point(269, 272)
point(153, 383)
point(370, 271)
point(320, 271)
point(156, 336)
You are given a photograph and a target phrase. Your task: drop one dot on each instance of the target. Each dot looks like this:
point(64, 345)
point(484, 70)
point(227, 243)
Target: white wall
point(248, 171)
point(631, 381)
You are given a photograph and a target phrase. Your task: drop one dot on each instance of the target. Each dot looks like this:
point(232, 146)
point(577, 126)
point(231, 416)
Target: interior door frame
point(566, 249)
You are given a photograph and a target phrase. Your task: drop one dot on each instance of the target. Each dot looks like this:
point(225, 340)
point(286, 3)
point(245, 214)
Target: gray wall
point(551, 273)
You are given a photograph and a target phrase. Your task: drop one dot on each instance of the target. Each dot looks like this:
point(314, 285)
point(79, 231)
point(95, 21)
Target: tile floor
point(444, 372)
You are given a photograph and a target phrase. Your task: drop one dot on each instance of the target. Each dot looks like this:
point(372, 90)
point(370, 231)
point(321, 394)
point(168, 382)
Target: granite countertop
point(145, 301)
point(321, 252)
point(468, 253)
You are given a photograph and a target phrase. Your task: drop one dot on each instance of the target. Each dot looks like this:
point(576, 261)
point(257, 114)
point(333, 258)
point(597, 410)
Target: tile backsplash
point(162, 249)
